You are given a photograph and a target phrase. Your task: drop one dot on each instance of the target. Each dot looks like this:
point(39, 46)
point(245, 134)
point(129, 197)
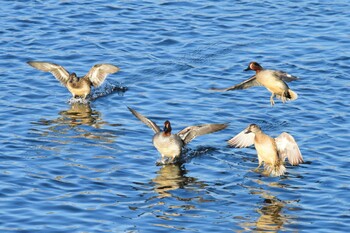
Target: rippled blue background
point(73, 168)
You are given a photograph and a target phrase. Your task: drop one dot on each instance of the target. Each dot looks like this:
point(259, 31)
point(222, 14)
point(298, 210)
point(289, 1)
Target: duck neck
point(258, 135)
point(73, 78)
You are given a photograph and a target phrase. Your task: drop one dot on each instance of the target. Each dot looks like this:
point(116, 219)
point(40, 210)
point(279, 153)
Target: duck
point(271, 151)
point(78, 87)
point(272, 80)
point(170, 145)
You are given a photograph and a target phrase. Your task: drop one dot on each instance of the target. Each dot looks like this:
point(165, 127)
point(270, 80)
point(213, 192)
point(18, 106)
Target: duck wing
point(191, 132)
point(145, 120)
point(242, 139)
point(99, 72)
point(251, 82)
point(58, 71)
point(288, 148)
point(285, 76)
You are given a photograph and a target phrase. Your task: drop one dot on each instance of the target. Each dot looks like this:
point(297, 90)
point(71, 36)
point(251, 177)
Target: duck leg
point(257, 169)
point(284, 96)
point(260, 163)
point(163, 160)
point(172, 160)
point(271, 99)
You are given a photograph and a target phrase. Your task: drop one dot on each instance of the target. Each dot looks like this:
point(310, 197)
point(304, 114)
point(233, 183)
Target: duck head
point(73, 78)
point(167, 128)
point(254, 66)
point(252, 128)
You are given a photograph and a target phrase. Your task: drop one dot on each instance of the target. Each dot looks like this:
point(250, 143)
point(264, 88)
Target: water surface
point(92, 168)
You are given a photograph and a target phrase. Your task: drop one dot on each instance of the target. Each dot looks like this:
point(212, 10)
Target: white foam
point(79, 100)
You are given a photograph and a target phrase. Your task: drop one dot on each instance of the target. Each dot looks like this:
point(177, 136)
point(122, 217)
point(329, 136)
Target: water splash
point(104, 90)
point(78, 100)
point(108, 88)
point(187, 155)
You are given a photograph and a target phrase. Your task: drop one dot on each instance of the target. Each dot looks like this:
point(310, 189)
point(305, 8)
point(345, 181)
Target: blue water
point(92, 168)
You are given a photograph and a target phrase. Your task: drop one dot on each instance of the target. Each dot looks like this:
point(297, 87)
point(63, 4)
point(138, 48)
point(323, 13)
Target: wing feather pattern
point(251, 82)
point(288, 148)
point(191, 132)
point(58, 71)
point(98, 73)
point(242, 139)
point(285, 76)
point(145, 120)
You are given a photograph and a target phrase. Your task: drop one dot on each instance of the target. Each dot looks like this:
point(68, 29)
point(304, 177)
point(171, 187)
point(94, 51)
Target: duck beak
point(247, 131)
point(248, 68)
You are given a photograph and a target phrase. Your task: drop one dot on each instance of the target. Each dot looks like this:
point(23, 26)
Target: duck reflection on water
point(171, 177)
point(81, 114)
point(72, 122)
point(271, 210)
point(271, 218)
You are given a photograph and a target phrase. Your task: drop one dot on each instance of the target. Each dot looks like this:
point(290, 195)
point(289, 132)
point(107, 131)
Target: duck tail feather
point(276, 170)
point(292, 94)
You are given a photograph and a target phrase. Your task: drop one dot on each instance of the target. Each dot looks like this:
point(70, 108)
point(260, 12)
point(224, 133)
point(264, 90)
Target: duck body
point(266, 149)
point(272, 80)
point(169, 146)
point(79, 87)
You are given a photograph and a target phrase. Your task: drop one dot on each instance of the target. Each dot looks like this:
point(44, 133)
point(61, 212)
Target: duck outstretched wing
point(58, 71)
point(145, 120)
point(288, 148)
point(99, 72)
point(251, 82)
point(242, 139)
point(191, 132)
